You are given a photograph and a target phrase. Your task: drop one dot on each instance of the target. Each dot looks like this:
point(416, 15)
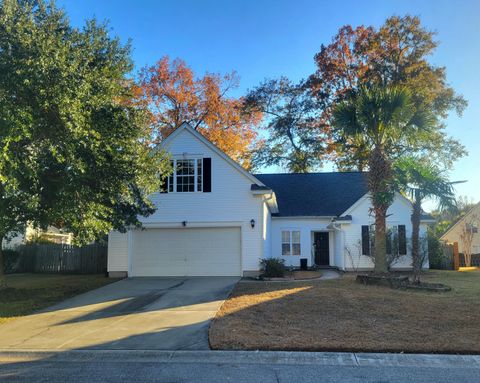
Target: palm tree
point(419, 179)
point(384, 120)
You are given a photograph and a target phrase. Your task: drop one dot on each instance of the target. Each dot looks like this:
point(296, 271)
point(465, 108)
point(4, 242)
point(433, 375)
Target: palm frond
point(421, 179)
point(346, 119)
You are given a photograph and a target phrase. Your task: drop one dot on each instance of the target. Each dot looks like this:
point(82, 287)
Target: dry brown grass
point(341, 315)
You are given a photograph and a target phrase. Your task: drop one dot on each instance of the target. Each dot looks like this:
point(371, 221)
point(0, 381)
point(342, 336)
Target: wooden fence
point(60, 258)
point(452, 259)
point(475, 260)
point(446, 261)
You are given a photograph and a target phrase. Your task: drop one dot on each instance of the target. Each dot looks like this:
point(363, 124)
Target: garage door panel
point(186, 251)
point(147, 263)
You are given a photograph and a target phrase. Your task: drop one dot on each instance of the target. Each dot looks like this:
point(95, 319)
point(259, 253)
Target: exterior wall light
point(252, 223)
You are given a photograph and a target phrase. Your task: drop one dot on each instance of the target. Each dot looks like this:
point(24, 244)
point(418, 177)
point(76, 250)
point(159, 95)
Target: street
point(220, 366)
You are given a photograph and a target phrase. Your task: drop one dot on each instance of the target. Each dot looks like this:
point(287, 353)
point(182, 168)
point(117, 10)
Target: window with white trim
point(187, 176)
point(290, 242)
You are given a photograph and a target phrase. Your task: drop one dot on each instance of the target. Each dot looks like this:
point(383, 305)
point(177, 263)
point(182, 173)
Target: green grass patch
point(27, 293)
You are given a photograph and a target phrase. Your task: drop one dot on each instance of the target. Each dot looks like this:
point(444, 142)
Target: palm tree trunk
point(380, 183)
point(380, 247)
point(417, 211)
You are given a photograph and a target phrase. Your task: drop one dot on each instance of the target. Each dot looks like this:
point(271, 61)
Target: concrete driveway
point(132, 314)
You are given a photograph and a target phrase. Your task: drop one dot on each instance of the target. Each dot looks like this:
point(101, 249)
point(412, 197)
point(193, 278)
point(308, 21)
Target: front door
point(322, 248)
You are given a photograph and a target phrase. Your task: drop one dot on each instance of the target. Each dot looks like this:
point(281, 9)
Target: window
point(187, 176)
point(291, 242)
point(471, 228)
point(365, 240)
point(402, 240)
point(396, 239)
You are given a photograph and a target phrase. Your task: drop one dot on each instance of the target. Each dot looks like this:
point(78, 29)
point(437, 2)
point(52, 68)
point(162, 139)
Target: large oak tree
point(298, 116)
point(72, 152)
point(396, 54)
point(296, 141)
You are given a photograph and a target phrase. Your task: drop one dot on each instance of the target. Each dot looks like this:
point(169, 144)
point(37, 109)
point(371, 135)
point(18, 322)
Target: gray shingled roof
point(315, 194)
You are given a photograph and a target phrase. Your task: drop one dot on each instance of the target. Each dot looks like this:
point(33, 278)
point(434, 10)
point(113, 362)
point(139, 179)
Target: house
point(215, 218)
point(51, 234)
point(465, 231)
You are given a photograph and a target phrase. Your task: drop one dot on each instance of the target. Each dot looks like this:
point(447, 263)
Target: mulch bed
point(296, 275)
point(400, 282)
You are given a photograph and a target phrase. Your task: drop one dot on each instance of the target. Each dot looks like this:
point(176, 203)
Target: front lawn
point(342, 315)
point(29, 292)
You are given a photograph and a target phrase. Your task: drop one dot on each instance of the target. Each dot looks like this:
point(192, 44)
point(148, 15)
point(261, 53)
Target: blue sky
point(262, 39)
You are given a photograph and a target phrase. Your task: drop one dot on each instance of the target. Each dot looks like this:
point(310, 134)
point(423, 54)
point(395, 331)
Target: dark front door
point(322, 249)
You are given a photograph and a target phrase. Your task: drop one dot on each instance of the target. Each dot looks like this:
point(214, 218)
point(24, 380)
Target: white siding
point(117, 251)
point(306, 227)
point(345, 239)
point(229, 203)
point(267, 232)
point(398, 214)
point(14, 239)
point(339, 249)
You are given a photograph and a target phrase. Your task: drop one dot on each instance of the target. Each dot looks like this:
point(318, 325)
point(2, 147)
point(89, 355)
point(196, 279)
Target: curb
point(245, 357)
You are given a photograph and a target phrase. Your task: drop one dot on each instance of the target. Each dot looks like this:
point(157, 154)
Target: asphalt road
point(236, 367)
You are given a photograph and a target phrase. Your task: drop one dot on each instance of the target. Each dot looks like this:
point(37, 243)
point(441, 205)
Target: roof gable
point(185, 127)
point(474, 210)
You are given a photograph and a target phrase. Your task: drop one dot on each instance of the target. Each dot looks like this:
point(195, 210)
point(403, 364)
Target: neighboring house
point(469, 223)
point(52, 234)
point(215, 218)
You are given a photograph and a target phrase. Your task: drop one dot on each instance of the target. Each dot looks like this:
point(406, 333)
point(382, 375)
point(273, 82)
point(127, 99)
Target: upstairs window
point(187, 176)
point(290, 242)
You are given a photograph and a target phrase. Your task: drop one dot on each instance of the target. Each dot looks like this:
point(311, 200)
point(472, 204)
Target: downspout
point(338, 228)
point(268, 233)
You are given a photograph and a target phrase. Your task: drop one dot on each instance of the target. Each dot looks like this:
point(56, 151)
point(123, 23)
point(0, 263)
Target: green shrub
point(10, 258)
point(436, 257)
point(273, 267)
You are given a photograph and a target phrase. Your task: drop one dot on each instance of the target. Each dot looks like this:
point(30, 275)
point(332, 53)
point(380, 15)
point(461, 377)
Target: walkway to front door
point(322, 248)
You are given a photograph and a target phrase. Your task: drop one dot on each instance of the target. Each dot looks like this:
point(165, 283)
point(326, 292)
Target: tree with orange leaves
point(395, 54)
point(174, 95)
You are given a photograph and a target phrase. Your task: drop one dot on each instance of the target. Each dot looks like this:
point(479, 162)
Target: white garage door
point(186, 251)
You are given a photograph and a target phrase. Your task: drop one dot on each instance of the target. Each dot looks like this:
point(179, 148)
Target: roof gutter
point(329, 217)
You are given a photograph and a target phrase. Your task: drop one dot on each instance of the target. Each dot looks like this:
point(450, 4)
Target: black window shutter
point(207, 175)
point(365, 240)
point(402, 240)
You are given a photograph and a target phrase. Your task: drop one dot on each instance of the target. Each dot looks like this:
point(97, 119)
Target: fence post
point(456, 257)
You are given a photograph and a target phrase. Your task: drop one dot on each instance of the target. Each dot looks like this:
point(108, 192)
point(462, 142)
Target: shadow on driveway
point(138, 313)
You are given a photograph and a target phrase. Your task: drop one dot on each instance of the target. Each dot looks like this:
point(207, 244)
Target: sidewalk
point(247, 357)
